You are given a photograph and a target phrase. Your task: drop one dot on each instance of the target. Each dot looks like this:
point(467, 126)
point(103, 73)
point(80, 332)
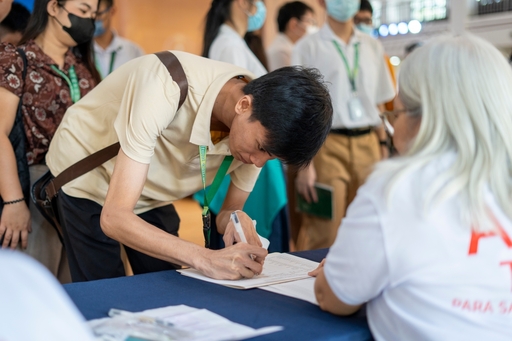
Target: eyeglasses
point(389, 118)
point(359, 20)
point(308, 21)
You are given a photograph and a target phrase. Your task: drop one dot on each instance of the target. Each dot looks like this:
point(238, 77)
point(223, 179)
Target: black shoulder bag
point(45, 189)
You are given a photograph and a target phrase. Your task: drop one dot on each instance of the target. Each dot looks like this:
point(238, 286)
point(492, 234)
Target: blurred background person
point(294, 20)
point(353, 64)
point(14, 24)
point(111, 50)
point(59, 71)
point(427, 241)
point(364, 23)
point(364, 18)
point(227, 22)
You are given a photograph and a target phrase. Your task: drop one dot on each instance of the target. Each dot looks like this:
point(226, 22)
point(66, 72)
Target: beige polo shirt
point(136, 105)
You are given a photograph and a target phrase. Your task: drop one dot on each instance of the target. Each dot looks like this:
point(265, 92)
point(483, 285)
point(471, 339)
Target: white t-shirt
point(279, 53)
point(229, 47)
point(33, 305)
point(373, 83)
point(124, 50)
point(425, 276)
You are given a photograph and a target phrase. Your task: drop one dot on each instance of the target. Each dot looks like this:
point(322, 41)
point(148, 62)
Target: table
point(254, 307)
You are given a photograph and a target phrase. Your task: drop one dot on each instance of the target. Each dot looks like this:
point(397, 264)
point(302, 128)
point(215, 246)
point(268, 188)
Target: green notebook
point(323, 208)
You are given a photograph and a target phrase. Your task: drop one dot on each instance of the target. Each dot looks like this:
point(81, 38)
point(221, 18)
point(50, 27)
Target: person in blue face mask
point(111, 50)
point(353, 63)
point(363, 18)
point(227, 22)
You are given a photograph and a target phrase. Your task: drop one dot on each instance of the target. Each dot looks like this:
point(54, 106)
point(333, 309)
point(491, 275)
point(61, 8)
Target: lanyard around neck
point(352, 74)
point(113, 55)
point(72, 81)
point(223, 169)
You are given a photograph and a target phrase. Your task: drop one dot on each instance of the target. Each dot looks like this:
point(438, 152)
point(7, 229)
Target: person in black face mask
point(52, 68)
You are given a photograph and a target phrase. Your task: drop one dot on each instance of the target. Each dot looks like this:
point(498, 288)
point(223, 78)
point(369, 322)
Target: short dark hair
point(366, 6)
point(17, 19)
point(294, 106)
point(295, 9)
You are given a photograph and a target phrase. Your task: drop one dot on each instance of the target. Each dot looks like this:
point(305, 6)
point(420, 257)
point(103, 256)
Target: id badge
point(355, 108)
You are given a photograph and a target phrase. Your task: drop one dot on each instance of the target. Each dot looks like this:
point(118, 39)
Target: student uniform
point(119, 51)
point(352, 147)
point(136, 106)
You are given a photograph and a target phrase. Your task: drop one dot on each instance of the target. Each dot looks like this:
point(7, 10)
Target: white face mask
point(312, 29)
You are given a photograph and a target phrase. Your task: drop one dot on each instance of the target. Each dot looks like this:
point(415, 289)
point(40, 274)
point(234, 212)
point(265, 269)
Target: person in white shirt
point(227, 22)
point(34, 306)
point(110, 50)
point(353, 64)
point(427, 242)
point(294, 20)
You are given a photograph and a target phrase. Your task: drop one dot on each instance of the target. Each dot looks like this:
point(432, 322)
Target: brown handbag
point(44, 191)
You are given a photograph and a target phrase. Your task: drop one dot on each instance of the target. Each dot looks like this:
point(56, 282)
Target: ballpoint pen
point(238, 227)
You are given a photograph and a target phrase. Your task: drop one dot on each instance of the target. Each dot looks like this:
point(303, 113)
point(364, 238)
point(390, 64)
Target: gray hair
point(462, 88)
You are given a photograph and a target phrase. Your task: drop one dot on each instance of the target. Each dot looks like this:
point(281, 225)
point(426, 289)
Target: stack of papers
point(278, 268)
point(173, 323)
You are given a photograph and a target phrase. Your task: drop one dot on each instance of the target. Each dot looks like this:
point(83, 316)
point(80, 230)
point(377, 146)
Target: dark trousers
point(92, 255)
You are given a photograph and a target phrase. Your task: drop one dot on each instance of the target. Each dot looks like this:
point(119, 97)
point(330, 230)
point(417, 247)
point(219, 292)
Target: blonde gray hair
point(462, 88)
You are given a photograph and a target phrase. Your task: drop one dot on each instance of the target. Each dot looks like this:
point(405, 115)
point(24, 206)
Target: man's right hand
point(234, 262)
point(15, 225)
point(305, 183)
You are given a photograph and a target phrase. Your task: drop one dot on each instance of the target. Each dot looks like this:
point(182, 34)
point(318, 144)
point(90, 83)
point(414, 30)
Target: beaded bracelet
point(13, 201)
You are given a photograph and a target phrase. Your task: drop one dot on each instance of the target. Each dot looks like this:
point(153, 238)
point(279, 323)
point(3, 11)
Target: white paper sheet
point(278, 268)
point(175, 323)
point(303, 289)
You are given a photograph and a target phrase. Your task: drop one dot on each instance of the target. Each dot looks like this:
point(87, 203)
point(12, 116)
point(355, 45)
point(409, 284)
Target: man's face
point(306, 22)
point(247, 138)
point(363, 17)
point(105, 15)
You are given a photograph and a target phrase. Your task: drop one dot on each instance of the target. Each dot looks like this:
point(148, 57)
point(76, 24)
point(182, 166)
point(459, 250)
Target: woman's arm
point(15, 219)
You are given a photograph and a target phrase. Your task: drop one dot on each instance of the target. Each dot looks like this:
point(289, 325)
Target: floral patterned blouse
point(45, 94)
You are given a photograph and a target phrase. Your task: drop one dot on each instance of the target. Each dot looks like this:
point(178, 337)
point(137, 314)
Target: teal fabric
point(265, 201)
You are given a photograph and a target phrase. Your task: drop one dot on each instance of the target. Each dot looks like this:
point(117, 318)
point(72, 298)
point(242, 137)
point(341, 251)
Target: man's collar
point(200, 134)
point(115, 44)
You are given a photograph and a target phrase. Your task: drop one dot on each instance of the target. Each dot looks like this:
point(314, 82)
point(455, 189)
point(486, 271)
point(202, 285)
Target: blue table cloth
point(254, 307)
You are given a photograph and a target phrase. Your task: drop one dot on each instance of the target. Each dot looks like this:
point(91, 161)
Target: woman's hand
point(315, 272)
point(15, 225)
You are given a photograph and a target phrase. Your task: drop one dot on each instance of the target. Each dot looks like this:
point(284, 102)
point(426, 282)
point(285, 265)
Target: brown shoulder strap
point(94, 160)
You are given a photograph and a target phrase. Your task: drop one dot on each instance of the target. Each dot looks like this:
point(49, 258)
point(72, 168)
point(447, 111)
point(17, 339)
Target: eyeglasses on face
point(391, 116)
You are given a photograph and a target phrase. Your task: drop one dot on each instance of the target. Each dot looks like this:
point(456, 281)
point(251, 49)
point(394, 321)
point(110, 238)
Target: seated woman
point(427, 242)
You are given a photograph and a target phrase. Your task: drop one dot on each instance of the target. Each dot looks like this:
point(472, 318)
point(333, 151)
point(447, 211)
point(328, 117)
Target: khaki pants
point(43, 242)
point(343, 162)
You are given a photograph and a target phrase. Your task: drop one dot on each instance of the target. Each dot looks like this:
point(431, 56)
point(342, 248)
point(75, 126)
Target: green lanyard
point(74, 89)
point(111, 66)
point(352, 74)
point(223, 169)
